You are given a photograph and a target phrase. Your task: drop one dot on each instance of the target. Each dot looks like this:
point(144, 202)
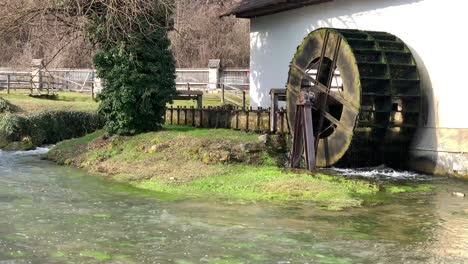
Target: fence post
point(214, 67)
point(92, 90)
point(243, 99)
point(178, 115)
point(37, 80)
point(8, 83)
point(199, 101)
point(273, 109)
point(193, 116)
point(222, 93)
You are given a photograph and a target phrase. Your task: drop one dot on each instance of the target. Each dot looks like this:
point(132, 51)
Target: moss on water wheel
point(375, 98)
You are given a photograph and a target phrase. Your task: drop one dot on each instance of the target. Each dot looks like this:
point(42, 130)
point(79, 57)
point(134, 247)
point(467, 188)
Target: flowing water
point(53, 214)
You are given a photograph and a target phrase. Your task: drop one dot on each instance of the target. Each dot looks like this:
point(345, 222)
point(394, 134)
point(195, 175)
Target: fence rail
point(230, 83)
point(245, 119)
point(74, 80)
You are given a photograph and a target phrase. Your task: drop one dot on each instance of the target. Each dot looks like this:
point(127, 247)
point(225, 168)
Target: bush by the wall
point(5, 106)
point(47, 127)
point(11, 128)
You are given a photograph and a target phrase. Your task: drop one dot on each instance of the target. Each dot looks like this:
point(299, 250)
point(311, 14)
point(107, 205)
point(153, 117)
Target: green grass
point(269, 183)
point(176, 170)
point(83, 102)
point(66, 101)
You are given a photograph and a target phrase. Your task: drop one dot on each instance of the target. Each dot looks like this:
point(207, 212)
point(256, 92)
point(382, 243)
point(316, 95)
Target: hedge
point(47, 127)
point(5, 106)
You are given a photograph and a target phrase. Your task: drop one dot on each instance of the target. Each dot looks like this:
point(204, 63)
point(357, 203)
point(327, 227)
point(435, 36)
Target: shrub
point(11, 128)
point(5, 106)
point(48, 127)
point(54, 126)
point(138, 72)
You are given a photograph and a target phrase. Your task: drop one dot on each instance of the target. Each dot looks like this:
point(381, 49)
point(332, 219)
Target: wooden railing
point(245, 119)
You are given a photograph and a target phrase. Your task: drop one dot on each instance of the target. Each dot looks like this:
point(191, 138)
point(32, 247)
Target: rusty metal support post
point(303, 139)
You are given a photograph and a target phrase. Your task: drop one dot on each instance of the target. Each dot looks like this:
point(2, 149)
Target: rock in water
point(458, 194)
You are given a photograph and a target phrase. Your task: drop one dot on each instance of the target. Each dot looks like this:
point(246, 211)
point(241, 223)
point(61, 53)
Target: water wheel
point(371, 109)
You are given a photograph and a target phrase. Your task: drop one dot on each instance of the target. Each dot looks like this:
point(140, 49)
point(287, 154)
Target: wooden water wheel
point(368, 96)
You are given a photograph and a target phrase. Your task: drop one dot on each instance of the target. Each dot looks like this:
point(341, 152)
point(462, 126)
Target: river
point(55, 214)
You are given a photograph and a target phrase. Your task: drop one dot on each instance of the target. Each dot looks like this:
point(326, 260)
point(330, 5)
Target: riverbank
point(233, 165)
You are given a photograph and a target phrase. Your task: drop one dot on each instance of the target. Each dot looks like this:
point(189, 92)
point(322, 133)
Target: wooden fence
point(231, 84)
point(251, 120)
point(76, 80)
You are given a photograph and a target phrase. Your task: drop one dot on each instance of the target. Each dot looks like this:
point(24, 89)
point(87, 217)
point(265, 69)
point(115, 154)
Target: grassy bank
point(207, 163)
point(65, 101)
point(83, 102)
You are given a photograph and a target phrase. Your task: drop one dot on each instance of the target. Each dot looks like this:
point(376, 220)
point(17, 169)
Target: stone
point(153, 149)
point(250, 147)
point(216, 146)
point(264, 138)
point(24, 145)
point(158, 148)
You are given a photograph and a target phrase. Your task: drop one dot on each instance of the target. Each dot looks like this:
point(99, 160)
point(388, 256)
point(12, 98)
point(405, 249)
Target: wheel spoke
point(322, 88)
point(335, 121)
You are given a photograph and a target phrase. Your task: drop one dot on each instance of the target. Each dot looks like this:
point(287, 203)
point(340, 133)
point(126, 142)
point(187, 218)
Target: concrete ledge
point(440, 163)
point(441, 151)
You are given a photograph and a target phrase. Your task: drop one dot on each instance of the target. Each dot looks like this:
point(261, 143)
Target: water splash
point(380, 172)
point(37, 151)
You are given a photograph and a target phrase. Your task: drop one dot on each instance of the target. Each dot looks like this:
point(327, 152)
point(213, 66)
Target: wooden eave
point(252, 8)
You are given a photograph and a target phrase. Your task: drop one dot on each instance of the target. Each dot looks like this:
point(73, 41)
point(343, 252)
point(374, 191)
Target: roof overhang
point(256, 8)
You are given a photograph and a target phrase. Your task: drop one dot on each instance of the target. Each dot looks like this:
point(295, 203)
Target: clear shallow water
point(52, 214)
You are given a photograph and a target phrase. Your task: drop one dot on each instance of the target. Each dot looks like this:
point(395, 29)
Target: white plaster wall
point(435, 30)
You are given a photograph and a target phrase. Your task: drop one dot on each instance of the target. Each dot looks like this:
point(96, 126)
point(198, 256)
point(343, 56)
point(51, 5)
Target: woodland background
point(199, 35)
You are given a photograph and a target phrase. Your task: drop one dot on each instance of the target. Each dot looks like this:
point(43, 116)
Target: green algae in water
point(409, 189)
point(161, 196)
point(101, 256)
point(181, 261)
point(239, 245)
point(226, 260)
point(58, 255)
point(102, 215)
point(18, 254)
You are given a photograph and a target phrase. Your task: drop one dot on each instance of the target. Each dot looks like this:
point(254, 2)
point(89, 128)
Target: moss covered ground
point(168, 161)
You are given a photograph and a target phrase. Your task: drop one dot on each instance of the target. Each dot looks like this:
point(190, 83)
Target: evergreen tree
point(138, 73)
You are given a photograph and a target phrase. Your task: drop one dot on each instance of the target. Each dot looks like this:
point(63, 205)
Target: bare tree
point(48, 27)
point(201, 35)
point(56, 30)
